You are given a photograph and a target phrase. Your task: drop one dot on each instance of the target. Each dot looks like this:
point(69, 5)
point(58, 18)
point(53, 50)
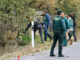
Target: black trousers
point(35, 28)
point(46, 33)
point(40, 33)
point(58, 36)
point(70, 34)
point(74, 34)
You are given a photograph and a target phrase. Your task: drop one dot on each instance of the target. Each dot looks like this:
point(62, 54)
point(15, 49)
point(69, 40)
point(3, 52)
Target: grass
point(25, 39)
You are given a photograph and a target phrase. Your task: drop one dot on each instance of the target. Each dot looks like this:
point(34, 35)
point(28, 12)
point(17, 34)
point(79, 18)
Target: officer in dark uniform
point(37, 26)
point(59, 29)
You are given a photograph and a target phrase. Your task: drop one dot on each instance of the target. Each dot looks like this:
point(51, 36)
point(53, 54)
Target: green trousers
point(58, 36)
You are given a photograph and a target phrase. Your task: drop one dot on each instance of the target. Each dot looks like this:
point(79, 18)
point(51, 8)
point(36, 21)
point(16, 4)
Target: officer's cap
point(59, 12)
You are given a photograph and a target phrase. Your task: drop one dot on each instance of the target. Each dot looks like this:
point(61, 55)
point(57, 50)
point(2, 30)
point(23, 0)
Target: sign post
point(32, 33)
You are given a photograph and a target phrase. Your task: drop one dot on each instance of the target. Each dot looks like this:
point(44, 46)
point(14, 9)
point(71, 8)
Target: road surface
point(70, 52)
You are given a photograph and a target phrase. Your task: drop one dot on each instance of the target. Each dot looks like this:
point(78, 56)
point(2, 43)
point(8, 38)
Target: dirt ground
point(23, 50)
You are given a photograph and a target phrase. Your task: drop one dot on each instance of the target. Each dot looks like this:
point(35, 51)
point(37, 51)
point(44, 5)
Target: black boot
point(51, 38)
point(52, 55)
point(60, 55)
point(42, 41)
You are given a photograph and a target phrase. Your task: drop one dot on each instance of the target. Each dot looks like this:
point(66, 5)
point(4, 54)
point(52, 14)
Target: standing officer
point(74, 26)
point(46, 22)
point(59, 29)
point(37, 26)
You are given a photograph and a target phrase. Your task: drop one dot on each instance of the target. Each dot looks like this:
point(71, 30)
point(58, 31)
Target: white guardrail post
point(32, 33)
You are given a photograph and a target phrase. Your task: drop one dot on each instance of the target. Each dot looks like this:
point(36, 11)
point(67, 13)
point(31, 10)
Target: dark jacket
point(46, 19)
point(59, 23)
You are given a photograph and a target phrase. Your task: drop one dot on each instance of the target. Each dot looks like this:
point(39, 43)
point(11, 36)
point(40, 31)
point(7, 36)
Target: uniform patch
point(56, 18)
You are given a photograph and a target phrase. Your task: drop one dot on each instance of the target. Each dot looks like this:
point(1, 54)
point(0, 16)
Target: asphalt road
point(71, 52)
